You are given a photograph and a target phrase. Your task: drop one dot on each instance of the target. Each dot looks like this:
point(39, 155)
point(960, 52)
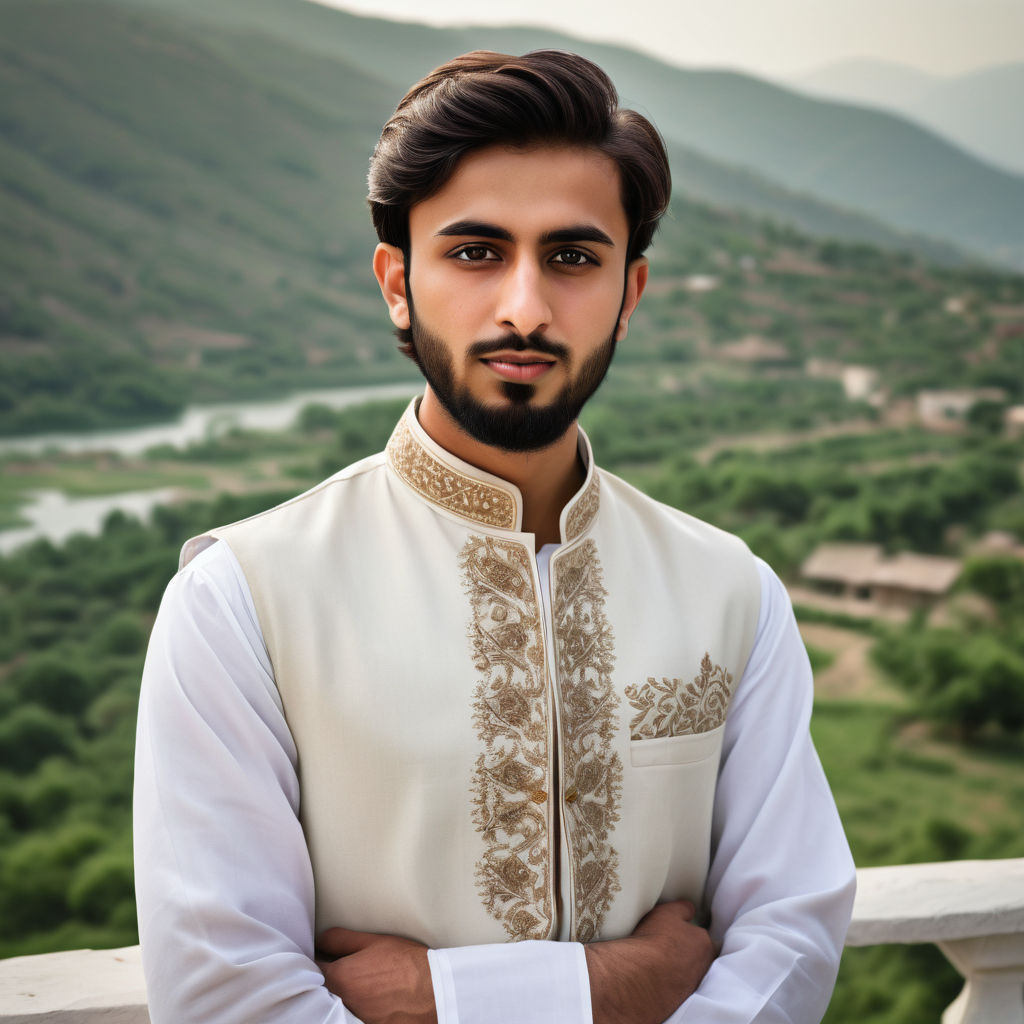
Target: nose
point(523, 305)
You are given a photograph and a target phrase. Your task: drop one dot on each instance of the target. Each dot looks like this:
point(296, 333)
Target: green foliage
point(858, 487)
point(122, 634)
point(78, 615)
point(36, 875)
point(360, 432)
point(966, 682)
point(974, 679)
point(820, 658)
point(999, 579)
point(893, 985)
point(100, 884)
point(52, 683)
point(900, 806)
point(987, 417)
point(29, 733)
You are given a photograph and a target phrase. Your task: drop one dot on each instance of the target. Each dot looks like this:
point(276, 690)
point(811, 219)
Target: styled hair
point(484, 98)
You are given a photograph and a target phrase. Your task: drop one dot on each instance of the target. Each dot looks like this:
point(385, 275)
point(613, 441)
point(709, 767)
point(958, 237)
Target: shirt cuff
point(542, 982)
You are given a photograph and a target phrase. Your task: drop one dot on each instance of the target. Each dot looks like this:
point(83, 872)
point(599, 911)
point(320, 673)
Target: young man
point(512, 741)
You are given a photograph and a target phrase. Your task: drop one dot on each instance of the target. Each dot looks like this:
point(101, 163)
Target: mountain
point(171, 220)
point(182, 217)
point(869, 82)
point(982, 112)
point(864, 161)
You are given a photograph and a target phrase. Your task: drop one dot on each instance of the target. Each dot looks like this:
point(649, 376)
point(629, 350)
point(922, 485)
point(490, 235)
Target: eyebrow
point(573, 233)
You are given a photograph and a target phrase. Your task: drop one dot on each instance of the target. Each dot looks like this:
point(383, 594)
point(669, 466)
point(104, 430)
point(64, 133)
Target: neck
point(547, 479)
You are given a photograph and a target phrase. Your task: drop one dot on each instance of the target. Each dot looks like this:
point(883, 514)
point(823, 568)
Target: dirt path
point(765, 442)
point(851, 676)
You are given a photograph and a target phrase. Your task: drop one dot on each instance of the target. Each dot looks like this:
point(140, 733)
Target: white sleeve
point(781, 884)
point(223, 878)
point(536, 982)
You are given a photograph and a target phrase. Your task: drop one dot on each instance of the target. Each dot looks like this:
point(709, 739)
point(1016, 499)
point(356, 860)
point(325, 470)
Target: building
point(864, 572)
point(944, 410)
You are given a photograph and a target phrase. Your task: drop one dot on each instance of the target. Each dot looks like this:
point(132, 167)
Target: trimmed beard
point(519, 426)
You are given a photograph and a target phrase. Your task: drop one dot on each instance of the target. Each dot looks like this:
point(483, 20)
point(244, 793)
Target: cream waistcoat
point(469, 772)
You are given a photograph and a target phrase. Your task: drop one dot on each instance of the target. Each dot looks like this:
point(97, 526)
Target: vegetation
point(74, 621)
point(968, 677)
point(202, 234)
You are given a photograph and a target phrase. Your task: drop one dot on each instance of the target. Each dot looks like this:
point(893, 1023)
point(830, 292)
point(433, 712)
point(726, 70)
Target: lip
point(519, 366)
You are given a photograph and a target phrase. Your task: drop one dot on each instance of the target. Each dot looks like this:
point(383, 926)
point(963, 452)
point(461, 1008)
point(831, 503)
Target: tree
point(31, 733)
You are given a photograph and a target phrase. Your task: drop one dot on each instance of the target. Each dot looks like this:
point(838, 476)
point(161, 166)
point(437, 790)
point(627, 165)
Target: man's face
point(518, 289)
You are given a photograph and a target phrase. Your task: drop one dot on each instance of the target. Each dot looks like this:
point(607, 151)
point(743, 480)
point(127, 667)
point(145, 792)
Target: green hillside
point(172, 223)
point(395, 54)
point(183, 218)
point(861, 160)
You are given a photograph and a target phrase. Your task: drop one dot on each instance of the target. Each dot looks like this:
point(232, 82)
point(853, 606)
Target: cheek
point(448, 300)
point(592, 311)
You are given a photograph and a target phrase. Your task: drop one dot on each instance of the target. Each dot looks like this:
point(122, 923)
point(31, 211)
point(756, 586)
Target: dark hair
point(484, 98)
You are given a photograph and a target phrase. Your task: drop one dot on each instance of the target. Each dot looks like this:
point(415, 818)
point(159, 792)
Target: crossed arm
point(641, 979)
point(226, 895)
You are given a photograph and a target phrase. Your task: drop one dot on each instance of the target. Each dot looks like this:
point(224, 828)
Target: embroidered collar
point(448, 482)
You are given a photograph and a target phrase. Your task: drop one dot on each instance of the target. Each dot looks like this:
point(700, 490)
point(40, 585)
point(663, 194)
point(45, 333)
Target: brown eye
point(573, 258)
point(475, 254)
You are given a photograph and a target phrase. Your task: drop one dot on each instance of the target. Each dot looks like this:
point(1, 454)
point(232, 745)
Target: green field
point(74, 622)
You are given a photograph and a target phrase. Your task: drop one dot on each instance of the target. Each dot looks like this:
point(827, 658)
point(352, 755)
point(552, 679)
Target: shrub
point(101, 885)
point(31, 733)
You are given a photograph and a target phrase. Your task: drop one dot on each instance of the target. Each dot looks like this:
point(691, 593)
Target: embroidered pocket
point(670, 707)
point(667, 750)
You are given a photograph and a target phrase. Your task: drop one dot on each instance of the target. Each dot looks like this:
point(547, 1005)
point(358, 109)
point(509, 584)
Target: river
point(54, 515)
point(200, 422)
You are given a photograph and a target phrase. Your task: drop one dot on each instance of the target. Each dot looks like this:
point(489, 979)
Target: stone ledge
point(950, 903)
point(960, 899)
point(80, 986)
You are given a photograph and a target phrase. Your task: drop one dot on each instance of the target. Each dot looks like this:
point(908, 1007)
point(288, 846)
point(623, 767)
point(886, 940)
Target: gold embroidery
point(582, 513)
point(510, 712)
point(446, 486)
point(667, 707)
point(591, 769)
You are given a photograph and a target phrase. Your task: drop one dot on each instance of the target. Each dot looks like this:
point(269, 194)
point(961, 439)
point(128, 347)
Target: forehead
point(528, 191)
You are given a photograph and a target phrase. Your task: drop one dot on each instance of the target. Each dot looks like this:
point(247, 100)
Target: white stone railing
point(81, 986)
point(973, 910)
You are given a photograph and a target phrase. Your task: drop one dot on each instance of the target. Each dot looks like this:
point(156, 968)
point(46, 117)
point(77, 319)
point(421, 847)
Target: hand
point(382, 979)
point(643, 979)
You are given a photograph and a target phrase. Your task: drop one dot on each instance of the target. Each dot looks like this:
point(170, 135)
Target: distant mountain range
point(864, 162)
point(982, 111)
point(182, 200)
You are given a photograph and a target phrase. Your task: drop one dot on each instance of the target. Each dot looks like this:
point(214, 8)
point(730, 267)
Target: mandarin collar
point(443, 480)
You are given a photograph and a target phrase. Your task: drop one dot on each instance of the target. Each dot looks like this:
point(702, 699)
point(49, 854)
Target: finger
point(675, 910)
point(337, 942)
point(685, 907)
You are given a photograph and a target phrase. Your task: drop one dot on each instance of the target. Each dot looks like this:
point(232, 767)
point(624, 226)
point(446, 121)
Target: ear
point(636, 281)
point(389, 269)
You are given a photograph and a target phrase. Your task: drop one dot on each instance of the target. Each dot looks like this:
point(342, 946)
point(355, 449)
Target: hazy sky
point(775, 37)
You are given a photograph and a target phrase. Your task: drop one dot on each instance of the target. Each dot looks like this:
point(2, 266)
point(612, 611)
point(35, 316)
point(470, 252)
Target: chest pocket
point(669, 750)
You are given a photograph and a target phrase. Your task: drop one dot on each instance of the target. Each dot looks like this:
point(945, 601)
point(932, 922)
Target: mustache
point(517, 343)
